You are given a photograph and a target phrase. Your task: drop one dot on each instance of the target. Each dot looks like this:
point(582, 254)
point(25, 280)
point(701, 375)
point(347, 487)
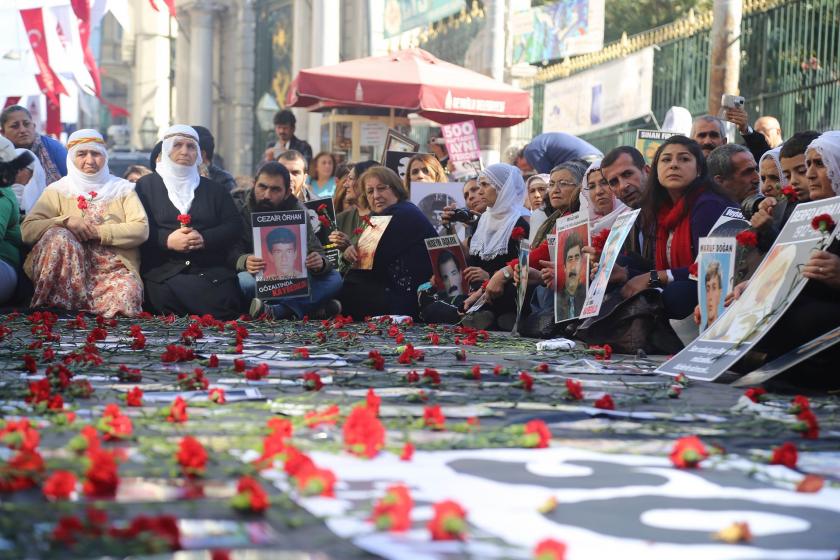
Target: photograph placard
point(280, 241)
point(771, 290)
point(648, 141)
point(431, 198)
point(619, 231)
point(715, 277)
point(369, 241)
point(522, 281)
point(321, 214)
point(396, 142)
point(448, 264)
point(398, 162)
point(462, 145)
point(571, 266)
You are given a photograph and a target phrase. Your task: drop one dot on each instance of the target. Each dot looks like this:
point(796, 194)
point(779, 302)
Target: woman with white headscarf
point(86, 229)
point(30, 182)
point(598, 201)
point(770, 173)
point(494, 244)
point(193, 223)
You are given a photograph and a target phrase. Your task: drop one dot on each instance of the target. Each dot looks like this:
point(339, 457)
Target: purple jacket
point(706, 210)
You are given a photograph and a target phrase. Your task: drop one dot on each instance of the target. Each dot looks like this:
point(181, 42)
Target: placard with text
point(571, 266)
point(280, 241)
point(448, 264)
point(462, 145)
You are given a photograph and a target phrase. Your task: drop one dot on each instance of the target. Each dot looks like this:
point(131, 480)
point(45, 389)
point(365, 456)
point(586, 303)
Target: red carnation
point(313, 481)
point(786, 455)
point(433, 418)
point(322, 208)
point(191, 456)
point(574, 390)
point(364, 434)
point(407, 451)
point(692, 269)
point(372, 401)
point(798, 404)
point(185, 220)
point(217, 395)
point(790, 193)
point(688, 452)
point(549, 549)
point(513, 263)
point(301, 353)
point(60, 485)
point(315, 418)
point(324, 221)
point(526, 381)
point(101, 477)
point(178, 411)
point(449, 521)
point(600, 240)
point(517, 233)
point(536, 434)
point(823, 223)
point(808, 425)
point(747, 238)
point(605, 403)
point(756, 394)
point(312, 381)
point(250, 496)
point(392, 512)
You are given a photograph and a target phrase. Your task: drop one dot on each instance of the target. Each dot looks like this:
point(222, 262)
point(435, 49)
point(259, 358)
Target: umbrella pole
point(391, 118)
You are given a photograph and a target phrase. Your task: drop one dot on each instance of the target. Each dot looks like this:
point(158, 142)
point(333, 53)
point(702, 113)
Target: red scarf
point(675, 218)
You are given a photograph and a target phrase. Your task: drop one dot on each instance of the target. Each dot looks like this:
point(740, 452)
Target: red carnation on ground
point(191, 456)
point(433, 418)
point(756, 394)
point(798, 404)
point(372, 401)
point(101, 478)
point(178, 411)
point(60, 485)
point(314, 481)
point(328, 415)
point(574, 390)
point(392, 512)
point(407, 451)
point(526, 381)
point(808, 426)
point(375, 360)
point(786, 454)
point(605, 403)
point(250, 496)
point(364, 434)
point(823, 223)
point(217, 395)
point(312, 381)
point(449, 521)
point(517, 233)
point(688, 452)
point(550, 549)
point(747, 238)
point(536, 434)
point(300, 353)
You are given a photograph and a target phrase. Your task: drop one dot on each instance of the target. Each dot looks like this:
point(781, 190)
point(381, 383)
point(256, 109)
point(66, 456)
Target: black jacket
point(213, 215)
point(245, 244)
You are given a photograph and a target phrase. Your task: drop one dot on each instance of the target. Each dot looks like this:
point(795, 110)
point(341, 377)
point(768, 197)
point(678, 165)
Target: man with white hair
point(192, 224)
point(86, 229)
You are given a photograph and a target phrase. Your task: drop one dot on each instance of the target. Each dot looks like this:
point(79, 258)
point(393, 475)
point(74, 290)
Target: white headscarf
point(492, 235)
point(28, 194)
point(596, 221)
point(774, 156)
point(678, 119)
point(76, 183)
point(828, 145)
point(538, 215)
point(180, 180)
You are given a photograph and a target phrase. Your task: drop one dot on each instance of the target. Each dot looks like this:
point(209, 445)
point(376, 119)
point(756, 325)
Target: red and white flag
point(48, 81)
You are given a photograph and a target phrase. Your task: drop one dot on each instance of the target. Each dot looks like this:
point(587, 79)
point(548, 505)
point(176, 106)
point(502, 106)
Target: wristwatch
point(747, 132)
point(654, 280)
point(506, 274)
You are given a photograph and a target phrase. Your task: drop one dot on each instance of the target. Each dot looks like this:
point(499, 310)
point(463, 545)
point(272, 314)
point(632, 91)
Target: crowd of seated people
point(176, 236)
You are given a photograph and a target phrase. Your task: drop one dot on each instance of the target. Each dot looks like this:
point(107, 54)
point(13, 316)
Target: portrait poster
point(398, 162)
point(771, 290)
point(396, 142)
point(321, 214)
point(648, 141)
point(715, 277)
point(431, 198)
point(369, 241)
point(621, 228)
point(571, 266)
point(522, 281)
point(280, 240)
point(448, 264)
point(462, 145)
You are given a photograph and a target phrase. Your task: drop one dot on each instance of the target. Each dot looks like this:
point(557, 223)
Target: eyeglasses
point(552, 184)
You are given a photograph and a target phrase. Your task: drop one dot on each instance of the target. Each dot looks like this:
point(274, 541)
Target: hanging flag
point(48, 81)
point(82, 10)
point(169, 4)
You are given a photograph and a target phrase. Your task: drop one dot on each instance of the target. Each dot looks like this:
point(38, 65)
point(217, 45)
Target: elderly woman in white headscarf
point(770, 173)
point(193, 223)
point(86, 229)
point(598, 201)
point(494, 244)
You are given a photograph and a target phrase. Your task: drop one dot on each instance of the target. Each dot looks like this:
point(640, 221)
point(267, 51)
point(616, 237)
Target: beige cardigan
point(126, 226)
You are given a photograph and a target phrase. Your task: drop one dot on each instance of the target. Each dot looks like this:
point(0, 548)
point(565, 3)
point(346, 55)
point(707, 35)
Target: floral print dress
point(84, 276)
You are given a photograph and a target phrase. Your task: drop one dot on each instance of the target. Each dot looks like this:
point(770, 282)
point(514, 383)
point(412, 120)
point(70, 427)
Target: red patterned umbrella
point(415, 80)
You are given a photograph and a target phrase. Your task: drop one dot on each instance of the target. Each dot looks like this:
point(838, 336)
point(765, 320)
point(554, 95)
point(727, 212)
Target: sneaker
point(258, 308)
point(327, 310)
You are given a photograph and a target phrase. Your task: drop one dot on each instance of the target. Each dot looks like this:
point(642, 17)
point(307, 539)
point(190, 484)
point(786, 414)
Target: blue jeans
point(321, 289)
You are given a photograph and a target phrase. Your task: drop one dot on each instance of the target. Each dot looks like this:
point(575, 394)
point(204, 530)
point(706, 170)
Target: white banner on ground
point(607, 95)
